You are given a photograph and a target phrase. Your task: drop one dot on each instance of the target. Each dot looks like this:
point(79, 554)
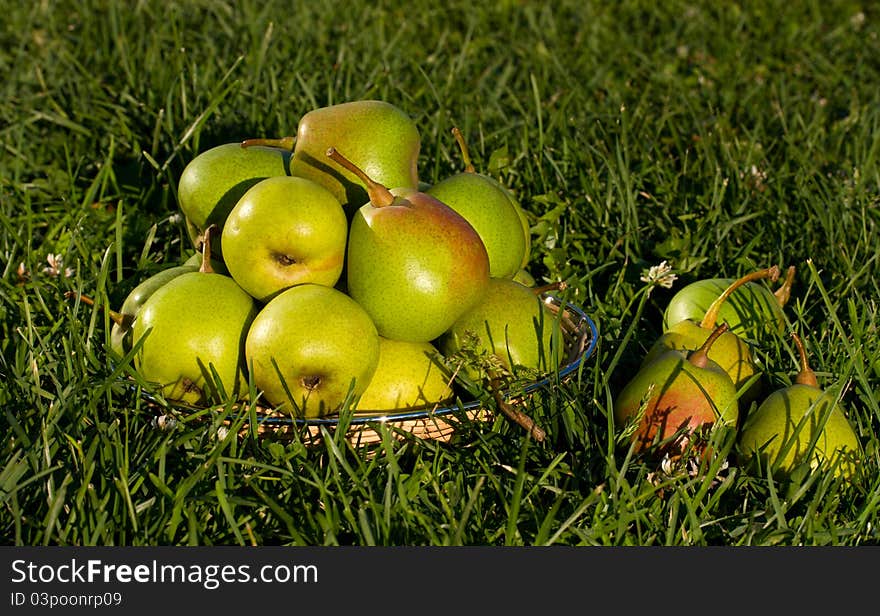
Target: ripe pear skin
point(730, 351)
point(484, 203)
point(772, 426)
point(323, 344)
point(407, 376)
point(284, 231)
point(121, 332)
point(781, 429)
point(213, 182)
point(511, 322)
point(679, 389)
point(192, 322)
point(752, 310)
point(415, 265)
point(377, 136)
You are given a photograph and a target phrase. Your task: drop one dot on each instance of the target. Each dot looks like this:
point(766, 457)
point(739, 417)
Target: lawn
point(719, 138)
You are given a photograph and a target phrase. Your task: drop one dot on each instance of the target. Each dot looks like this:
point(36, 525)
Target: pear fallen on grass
point(801, 424)
point(731, 352)
point(752, 310)
point(677, 394)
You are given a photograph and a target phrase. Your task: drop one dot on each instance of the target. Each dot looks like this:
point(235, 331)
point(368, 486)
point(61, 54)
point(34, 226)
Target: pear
point(213, 182)
point(801, 423)
point(310, 348)
point(190, 328)
point(730, 351)
point(284, 231)
point(679, 391)
point(413, 263)
point(512, 324)
point(377, 136)
point(488, 206)
point(752, 310)
point(123, 321)
point(408, 375)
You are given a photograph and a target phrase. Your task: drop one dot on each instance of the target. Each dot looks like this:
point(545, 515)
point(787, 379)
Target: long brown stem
point(560, 285)
point(783, 293)
point(806, 376)
point(515, 414)
point(700, 357)
point(711, 316)
point(121, 319)
point(465, 154)
point(206, 267)
point(379, 195)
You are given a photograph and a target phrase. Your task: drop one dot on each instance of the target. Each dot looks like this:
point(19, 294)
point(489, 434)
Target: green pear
point(190, 328)
point(408, 375)
point(801, 423)
point(675, 395)
point(731, 352)
point(121, 332)
point(490, 209)
point(284, 231)
point(213, 182)
point(413, 263)
point(752, 310)
point(511, 323)
point(377, 136)
point(317, 344)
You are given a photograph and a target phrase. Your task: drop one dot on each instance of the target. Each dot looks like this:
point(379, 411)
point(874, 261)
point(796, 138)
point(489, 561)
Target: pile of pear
point(328, 275)
point(701, 374)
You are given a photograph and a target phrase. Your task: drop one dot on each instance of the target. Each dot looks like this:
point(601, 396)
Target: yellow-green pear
point(801, 424)
point(282, 232)
point(512, 323)
point(375, 135)
point(190, 328)
point(413, 263)
point(730, 351)
point(213, 182)
point(408, 375)
point(674, 396)
point(310, 348)
point(486, 204)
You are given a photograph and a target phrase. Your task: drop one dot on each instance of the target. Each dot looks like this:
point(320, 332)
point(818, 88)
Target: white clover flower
point(56, 266)
point(659, 275)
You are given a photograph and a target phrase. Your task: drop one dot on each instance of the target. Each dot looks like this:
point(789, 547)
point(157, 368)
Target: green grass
point(718, 137)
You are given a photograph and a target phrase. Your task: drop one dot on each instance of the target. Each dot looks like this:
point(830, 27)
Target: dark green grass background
point(720, 137)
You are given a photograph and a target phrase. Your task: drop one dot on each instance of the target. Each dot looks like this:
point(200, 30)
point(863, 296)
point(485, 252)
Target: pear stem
point(515, 414)
point(711, 316)
point(783, 293)
point(380, 196)
point(285, 143)
point(206, 267)
point(121, 319)
point(700, 357)
point(465, 154)
point(560, 285)
point(806, 376)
